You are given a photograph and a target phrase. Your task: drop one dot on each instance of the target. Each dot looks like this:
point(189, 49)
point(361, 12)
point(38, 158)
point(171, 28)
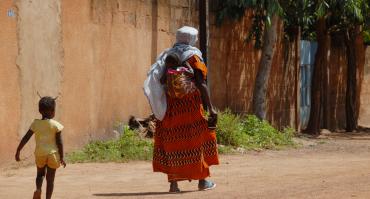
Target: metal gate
point(308, 52)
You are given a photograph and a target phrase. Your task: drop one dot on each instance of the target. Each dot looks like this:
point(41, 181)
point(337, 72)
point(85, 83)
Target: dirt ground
point(334, 167)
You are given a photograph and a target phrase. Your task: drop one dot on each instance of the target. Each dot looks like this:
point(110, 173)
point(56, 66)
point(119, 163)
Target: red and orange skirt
point(184, 147)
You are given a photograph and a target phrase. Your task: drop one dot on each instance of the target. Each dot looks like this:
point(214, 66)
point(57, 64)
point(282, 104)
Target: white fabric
point(187, 35)
point(153, 89)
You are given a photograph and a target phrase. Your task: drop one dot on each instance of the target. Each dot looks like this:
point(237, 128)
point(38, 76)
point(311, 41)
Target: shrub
point(251, 133)
point(128, 147)
point(233, 131)
point(230, 129)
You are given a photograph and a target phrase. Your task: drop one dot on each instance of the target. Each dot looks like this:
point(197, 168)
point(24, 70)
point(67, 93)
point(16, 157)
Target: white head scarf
point(186, 37)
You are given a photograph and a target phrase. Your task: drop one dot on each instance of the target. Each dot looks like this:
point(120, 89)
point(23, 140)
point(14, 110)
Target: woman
point(184, 142)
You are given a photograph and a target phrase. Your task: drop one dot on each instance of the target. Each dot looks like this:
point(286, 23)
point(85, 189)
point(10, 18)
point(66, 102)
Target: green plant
point(128, 147)
point(230, 129)
point(366, 37)
point(251, 133)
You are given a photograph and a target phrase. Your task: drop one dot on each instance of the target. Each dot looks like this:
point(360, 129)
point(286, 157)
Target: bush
point(251, 133)
point(128, 147)
point(230, 129)
point(233, 131)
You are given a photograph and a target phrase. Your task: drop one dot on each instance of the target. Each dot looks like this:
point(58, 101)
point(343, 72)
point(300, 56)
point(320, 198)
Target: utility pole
point(203, 33)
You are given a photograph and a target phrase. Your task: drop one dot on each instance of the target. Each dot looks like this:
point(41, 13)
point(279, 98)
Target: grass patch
point(234, 132)
point(128, 147)
point(249, 132)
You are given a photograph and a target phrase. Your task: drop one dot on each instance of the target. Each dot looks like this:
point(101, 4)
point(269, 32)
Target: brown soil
point(333, 167)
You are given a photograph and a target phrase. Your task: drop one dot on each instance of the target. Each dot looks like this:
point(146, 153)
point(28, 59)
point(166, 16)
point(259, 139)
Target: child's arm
point(23, 142)
point(203, 88)
point(59, 143)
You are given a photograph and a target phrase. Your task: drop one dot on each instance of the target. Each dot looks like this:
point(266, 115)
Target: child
point(172, 61)
point(49, 146)
point(178, 79)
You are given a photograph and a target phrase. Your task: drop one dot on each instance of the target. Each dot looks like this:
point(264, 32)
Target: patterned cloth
point(180, 82)
point(184, 147)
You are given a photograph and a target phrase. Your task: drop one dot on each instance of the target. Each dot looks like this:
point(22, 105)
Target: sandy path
point(339, 168)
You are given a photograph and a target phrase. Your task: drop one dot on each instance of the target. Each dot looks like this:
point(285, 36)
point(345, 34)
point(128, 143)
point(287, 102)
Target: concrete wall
point(93, 54)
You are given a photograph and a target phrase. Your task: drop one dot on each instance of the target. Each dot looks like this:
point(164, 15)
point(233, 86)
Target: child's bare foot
point(37, 194)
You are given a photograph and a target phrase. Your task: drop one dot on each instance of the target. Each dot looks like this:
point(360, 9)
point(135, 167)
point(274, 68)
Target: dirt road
point(334, 168)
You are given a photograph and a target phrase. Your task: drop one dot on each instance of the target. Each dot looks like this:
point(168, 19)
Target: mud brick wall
point(93, 54)
point(365, 93)
point(233, 68)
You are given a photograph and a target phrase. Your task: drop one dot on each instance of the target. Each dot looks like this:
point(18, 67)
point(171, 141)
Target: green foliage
point(299, 14)
point(230, 130)
point(344, 15)
point(233, 131)
point(367, 37)
point(251, 133)
point(263, 135)
point(341, 15)
point(128, 147)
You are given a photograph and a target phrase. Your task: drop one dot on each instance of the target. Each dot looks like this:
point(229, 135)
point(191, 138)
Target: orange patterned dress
point(184, 147)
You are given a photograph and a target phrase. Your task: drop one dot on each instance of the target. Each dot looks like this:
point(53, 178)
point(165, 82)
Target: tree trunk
point(352, 101)
point(321, 62)
point(263, 74)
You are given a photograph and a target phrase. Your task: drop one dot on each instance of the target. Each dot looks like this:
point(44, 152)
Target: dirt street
point(333, 168)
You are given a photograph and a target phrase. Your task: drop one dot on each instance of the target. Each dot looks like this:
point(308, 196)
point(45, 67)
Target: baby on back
point(178, 78)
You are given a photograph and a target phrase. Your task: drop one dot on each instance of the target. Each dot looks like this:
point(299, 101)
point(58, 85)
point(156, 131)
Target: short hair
point(172, 59)
point(46, 104)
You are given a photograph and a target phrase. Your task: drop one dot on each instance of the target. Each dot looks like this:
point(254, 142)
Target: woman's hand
point(212, 118)
point(63, 163)
point(17, 158)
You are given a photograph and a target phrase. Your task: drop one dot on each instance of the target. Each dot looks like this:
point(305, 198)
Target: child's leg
point(40, 178)
point(50, 175)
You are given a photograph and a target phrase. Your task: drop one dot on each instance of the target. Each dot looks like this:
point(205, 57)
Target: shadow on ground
point(138, 194)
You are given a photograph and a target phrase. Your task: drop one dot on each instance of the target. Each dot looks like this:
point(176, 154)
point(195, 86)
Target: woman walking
point(185, 141)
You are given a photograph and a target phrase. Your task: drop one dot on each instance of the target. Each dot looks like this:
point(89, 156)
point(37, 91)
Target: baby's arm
point(59, 143)
point(23, 142)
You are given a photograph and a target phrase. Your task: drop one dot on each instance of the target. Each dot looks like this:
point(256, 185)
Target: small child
point(172, 61)
point(49, 146)
point(178, 79)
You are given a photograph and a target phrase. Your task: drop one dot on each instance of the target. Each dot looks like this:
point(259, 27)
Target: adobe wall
point(364, 119)
point(10, 97)
point(234, 63)
point(93, 54)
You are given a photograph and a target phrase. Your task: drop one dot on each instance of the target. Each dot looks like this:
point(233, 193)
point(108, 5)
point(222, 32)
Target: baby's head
point(172, 60)
point(47, 107)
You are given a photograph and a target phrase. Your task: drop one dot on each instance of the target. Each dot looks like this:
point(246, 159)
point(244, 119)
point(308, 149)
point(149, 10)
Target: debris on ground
point(145, 126)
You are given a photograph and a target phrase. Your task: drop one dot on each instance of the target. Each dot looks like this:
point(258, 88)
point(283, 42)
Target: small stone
point(325, 132)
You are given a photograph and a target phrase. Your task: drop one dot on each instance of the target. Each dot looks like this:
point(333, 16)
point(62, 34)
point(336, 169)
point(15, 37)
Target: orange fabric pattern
point(184, 147)
point(196, 63)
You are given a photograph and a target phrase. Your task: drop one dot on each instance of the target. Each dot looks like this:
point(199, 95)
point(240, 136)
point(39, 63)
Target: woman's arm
point(23, 142)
